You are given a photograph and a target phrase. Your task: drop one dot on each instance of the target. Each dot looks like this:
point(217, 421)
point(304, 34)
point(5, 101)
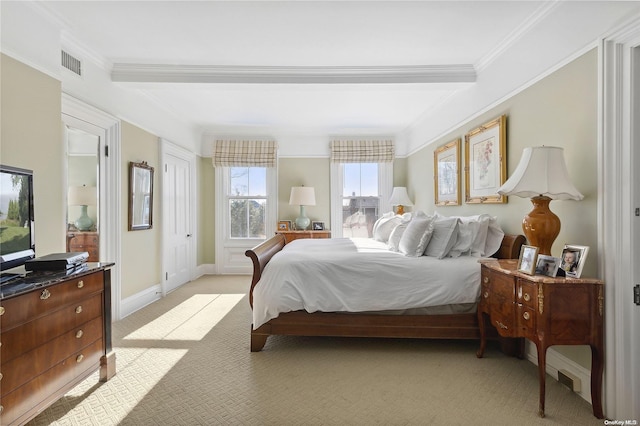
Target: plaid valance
point(247, 153)
point(362, 151)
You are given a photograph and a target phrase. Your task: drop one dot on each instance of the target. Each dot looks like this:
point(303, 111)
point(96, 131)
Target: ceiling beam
point(161, 73)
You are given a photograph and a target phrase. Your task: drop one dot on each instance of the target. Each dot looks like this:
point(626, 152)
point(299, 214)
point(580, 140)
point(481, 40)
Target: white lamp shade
point(302, 196)
point(399, 197)
point(81, 195)
point(541, 171)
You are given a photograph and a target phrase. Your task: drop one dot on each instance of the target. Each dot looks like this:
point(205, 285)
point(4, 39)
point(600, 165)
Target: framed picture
point(447, 174)
point(485, 162)
point(284, 225)
point(573, 259)
point(547, 265)
point(317, 226)
point(527, 260)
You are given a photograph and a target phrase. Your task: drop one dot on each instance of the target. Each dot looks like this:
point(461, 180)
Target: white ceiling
point(379, 53)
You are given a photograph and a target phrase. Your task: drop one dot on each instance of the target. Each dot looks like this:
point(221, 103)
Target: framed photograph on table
point(573, 260)
point(317, 226)
point(547, 265)
point(447, 174)
point(527, 260)
point(284, 225)
point(485, 162)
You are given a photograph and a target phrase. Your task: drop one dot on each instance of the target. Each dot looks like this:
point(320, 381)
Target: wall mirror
point(140, 196)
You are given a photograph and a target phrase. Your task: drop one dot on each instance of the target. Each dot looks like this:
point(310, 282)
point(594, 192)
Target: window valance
point(362, 151)
point(247, 153)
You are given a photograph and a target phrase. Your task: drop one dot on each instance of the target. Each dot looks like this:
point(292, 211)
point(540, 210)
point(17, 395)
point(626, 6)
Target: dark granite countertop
point(17, 281)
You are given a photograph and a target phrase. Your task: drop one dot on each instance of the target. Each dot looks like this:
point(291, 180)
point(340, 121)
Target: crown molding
point(162, 73)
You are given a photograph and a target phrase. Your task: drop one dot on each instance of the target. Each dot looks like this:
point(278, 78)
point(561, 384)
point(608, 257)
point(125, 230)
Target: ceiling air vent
point(71, 63)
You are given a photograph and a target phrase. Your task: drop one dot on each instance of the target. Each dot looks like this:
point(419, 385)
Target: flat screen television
point(17, 237)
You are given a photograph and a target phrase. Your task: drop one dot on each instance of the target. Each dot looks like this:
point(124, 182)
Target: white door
point(178, 224)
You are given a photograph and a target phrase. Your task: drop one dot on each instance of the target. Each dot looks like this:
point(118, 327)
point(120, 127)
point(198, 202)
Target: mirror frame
point(137, 210)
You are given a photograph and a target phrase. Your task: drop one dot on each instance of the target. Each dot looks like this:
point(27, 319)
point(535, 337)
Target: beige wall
point(141, 250)
point(308, 172)
point(207, 213)
point(560, 110)
point(31, 138)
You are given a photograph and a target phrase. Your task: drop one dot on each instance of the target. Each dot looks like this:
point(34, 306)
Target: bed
point(378, 323)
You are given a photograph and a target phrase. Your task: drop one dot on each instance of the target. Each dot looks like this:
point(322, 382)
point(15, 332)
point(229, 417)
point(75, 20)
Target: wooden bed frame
point(302, 323)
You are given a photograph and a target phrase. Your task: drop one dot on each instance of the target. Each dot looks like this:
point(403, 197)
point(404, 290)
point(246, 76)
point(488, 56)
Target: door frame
point(78, 114)
point(167, 149)
point(617, 224)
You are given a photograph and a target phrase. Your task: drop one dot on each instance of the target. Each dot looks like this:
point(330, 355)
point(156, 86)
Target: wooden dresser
point(84, 241)
point(294, 235)
point(55, 330)
point(548, 311)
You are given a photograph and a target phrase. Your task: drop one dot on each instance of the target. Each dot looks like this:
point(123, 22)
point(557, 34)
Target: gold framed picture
point(446, 167)
point(527, 260)
point(284, 225)
point(485, 162)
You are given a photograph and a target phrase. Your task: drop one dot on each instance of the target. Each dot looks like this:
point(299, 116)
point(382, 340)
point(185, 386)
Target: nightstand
point(547, 311)
point(84, 241)
point(294, 235)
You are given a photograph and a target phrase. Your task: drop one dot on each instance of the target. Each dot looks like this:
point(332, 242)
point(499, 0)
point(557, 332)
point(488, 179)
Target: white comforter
point(356, 275)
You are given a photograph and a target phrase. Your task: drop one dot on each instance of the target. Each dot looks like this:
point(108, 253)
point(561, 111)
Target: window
point(247, 202)
point(361, 192)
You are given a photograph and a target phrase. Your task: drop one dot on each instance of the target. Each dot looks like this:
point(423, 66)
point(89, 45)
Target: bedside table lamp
point(400, 198)
point(302, 196)
point(542, 175)
point(82, 196)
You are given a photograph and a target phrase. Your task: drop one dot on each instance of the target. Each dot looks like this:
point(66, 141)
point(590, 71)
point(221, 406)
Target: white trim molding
point(162, 73)
point(616, 219)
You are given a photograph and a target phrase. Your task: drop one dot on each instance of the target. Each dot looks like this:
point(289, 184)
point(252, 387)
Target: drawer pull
point(79, 358)
point(526, 316)
point(45, 294)
point(80, 284)
point(501, 325)
point(1, 310)
point(526, 297)
point(486, 280)
point(79, 334)
point(78, 309)
point(1, 376)
point(486, 294)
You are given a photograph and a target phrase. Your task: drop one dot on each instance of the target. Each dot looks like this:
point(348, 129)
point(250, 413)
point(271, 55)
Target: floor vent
point(71, 63)
point(569, 380)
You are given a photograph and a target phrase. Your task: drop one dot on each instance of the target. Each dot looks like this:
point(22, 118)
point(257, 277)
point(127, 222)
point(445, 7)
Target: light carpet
point(185, 360)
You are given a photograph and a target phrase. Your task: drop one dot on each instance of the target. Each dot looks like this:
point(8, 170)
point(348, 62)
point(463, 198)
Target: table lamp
point(82, 196)
point(400, 198)
point(542, 175)
point(302, 196)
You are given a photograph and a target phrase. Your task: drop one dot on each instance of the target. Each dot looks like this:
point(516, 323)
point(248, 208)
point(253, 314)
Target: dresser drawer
point(32, 334)
point(502, 285)
point(27, 307)
point(17, 405)
point(526, 319)
point(19, 370)
point(527, 293)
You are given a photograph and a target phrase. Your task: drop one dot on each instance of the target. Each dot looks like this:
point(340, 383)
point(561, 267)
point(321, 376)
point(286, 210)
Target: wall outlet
point(569, 380)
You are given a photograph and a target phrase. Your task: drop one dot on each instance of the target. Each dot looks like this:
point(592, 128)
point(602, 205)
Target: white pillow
point(417, 235)
point(385, 226)
point(495, 235)
point(466, 235)
point(445, 235)
point(396, 236)
point(479, 241)
point(381, 219)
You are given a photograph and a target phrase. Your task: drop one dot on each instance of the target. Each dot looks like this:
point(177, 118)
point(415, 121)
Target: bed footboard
point(260, 256)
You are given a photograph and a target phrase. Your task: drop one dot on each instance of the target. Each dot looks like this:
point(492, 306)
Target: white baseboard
point(205, 269)
point(556, 362)
point(140, 300)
